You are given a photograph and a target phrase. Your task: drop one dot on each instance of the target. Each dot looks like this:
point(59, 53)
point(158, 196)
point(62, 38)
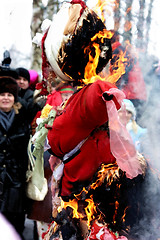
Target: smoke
point(149, 225)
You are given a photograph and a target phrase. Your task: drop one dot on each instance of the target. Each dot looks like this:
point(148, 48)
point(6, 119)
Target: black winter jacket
point(14, 161)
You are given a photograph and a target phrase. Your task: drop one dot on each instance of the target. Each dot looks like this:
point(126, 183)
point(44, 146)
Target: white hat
point(130, 107)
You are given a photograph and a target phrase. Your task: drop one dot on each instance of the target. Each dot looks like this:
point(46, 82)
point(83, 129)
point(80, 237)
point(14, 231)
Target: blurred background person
point(128, 117)
point(24, 82)
point(15, 117)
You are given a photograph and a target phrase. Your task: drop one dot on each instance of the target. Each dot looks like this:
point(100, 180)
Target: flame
point(123, 217)
point(90, 210)
point(104, 6)
point(90, 69)
point(72, 204)
point(90, 74)
point(123, 59)
point(119, 67)
point(108, 172)
point(116, 209)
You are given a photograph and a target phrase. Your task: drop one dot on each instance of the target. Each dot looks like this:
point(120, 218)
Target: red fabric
point(115, 45)
point(82, 3)
point(94, 152)
point(136, 88)
point(54, 98)
point(84, 112)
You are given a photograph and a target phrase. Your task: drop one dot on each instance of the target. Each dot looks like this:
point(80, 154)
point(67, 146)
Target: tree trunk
point(40, 12)
point(127, 35)
point(117, 16)
point(140, 25)
point(148, 24)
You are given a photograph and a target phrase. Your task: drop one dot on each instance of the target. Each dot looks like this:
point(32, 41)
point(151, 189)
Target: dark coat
point(26, 94)
point(13, 162)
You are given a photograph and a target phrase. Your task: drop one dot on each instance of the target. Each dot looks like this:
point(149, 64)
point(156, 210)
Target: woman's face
point(6, 101)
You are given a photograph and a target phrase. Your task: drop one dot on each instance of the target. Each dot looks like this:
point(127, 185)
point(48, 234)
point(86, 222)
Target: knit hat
point(66, 89)
point(33, 78)
point(130, 107)
point(23, 72)
point(75, 36)
point(9, 84)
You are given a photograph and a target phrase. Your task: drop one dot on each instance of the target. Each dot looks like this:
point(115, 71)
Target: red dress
point(85, 112)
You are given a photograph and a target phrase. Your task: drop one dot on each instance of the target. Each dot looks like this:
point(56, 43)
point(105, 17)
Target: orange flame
point(90, 75)
point(123, 59)
point(90, 69)
point(108, 172)
point(116, 209)
point(90, 210)
point(119, 68)
point(102, 7)
point(123, 217)
point(72, 204)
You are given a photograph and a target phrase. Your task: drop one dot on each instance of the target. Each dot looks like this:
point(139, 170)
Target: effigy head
point(76, 39)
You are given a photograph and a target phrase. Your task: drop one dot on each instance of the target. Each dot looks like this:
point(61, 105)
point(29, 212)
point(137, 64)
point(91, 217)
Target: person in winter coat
point(15, 118)
point(24, 84)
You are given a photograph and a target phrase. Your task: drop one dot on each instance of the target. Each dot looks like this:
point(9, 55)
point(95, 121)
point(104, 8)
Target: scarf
point(6, 119)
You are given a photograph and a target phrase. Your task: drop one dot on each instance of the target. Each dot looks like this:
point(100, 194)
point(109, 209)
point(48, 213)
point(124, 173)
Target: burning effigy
point(94, 182)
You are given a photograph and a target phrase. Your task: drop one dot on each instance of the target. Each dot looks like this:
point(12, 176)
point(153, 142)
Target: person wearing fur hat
point(15, 118)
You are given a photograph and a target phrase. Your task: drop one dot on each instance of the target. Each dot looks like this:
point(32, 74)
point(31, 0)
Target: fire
point(90, 69)
point(90, 74)
point(109, 172)
point(87, 210)
point(116, 208)
point(72, 204)
point(122, 60)
point(123, 217)
point(90, 210)
point(119, 67)
point(103, 6)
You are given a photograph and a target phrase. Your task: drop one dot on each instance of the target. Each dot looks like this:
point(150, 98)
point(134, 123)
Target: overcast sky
point(15, 18)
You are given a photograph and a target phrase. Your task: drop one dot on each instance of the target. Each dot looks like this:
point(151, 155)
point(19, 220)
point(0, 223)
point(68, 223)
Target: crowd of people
point(96, 137)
